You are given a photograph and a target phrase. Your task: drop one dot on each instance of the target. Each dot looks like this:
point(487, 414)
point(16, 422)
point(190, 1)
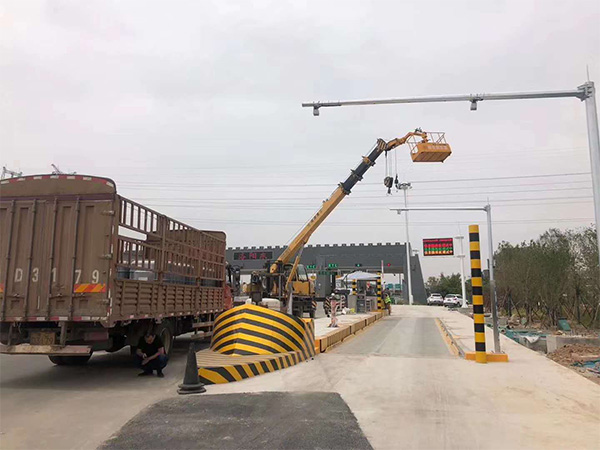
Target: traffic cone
point(191, 381)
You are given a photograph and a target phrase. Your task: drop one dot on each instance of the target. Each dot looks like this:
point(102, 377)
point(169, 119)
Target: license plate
point(42, 338)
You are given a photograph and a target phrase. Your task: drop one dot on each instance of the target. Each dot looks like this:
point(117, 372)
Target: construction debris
point(582, 358)
point(575, 353)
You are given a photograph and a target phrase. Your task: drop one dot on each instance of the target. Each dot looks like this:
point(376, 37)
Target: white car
point(435, 299)
point(453, 300)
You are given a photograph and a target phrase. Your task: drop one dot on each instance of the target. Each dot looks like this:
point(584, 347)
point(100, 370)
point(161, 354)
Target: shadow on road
point(115, 370)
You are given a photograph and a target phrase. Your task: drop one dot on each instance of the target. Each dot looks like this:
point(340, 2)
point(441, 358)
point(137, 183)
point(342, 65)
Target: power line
point(367, 189)
point(272, 185)
point(390, 224)
point(289, 199)
point(445, 188)
point(502, 178)
point(500, 154)
point(520, 191)
point(284, 206)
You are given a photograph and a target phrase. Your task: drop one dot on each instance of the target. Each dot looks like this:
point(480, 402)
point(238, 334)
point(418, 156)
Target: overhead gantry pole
point(586, 93)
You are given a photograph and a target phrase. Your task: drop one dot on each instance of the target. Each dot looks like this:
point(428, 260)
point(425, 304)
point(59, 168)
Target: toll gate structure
point(343, 258)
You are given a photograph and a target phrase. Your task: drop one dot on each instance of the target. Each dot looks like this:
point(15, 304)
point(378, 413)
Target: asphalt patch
point(271, 420)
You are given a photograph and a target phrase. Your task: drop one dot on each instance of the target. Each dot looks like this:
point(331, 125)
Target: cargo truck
point(83, 269)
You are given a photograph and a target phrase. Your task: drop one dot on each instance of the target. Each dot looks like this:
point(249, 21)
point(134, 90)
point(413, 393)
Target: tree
point(485, 281)
point(444, 285)
point(586, 276)
point(552, 277)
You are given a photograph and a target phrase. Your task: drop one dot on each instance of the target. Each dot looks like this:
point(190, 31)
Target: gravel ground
point(577, 353)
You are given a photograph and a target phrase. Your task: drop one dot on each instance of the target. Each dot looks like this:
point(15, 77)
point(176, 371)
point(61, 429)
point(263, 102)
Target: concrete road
point(79, 407)
point(416, 337)
point(43, 405)
point(397, 378)
point(407, 391)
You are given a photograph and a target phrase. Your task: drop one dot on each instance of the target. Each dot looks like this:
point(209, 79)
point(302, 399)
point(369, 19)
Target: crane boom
point(338, 195)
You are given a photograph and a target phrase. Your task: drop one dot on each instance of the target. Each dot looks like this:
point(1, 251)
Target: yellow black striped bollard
point(477, 284)
point(379, 294)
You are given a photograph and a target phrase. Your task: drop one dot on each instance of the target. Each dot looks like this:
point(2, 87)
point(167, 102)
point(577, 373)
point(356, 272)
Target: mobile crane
point(287, 280)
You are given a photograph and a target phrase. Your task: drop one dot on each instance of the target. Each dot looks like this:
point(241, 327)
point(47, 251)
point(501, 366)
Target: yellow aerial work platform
point(433, 149)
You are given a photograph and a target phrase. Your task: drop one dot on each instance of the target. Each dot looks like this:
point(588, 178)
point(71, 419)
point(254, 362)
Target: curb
point(324, 343)
point(467, 355)
point(450, 341)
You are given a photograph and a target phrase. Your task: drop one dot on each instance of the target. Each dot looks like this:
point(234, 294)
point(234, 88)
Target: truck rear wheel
point(70, 360)
point(165, 333)
point(118, 342)
point(58, 360)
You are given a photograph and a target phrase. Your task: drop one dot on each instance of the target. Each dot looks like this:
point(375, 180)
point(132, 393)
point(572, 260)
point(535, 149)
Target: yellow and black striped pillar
point(477, 284)
point(353, 287)
point(379, 294)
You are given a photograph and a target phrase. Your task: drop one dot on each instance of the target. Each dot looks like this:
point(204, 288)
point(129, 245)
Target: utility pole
point(594, 143)
point(462, 271)
point(405, 187)
point(494, 302)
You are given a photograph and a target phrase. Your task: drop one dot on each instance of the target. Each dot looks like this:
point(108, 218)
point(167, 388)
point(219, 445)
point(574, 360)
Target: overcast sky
point(193, 108)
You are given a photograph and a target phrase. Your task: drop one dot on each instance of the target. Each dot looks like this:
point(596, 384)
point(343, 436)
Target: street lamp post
point(586, 93)
point(494, 305)
point(594, 143)
point(461, 257)
point(405, 187)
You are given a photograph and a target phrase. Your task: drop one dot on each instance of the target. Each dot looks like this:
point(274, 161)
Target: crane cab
point(302, 285)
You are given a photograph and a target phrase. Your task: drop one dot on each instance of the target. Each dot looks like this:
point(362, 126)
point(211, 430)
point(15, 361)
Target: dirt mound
point(575, 353)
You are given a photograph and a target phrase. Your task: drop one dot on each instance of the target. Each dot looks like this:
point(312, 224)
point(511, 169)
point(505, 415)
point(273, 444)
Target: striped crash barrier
point(250, 340)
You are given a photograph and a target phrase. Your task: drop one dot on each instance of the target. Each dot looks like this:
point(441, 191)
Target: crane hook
point(388, 182)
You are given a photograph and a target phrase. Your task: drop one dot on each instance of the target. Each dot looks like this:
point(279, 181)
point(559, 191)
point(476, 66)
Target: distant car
point(453, 300)
point(435, 299)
